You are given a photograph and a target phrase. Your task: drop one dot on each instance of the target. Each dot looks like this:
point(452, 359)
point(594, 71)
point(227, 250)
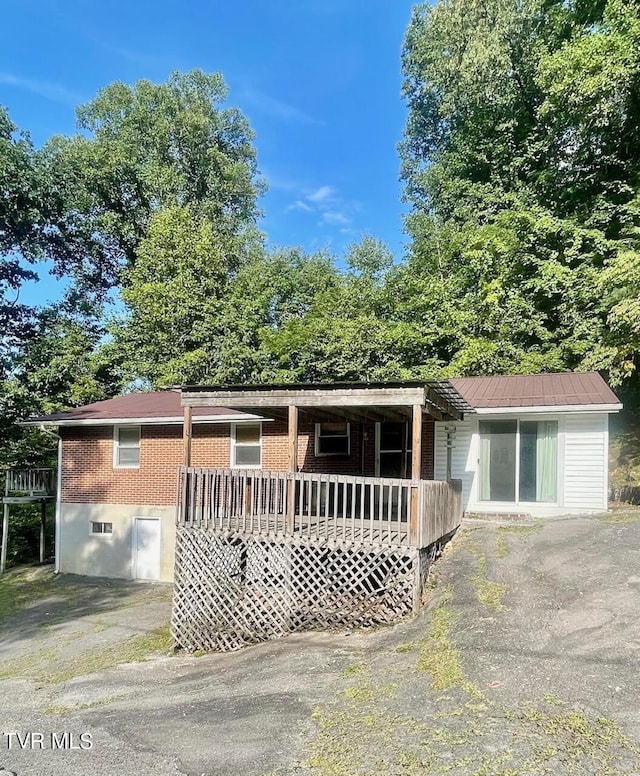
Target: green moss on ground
point(22, 587)
point(48, 667)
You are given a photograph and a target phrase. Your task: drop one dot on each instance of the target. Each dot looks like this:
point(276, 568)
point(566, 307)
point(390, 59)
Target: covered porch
point(337, 492)
point(320, 537)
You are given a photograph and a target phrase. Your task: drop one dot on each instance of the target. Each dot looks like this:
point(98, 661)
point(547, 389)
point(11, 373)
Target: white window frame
point(117, 446)
point(234, 444)
point(559, 461)
point(103, 533)
point(319, 454)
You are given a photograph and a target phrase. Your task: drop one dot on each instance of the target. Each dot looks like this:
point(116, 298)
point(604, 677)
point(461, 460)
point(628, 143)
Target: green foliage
point(20, 221)
point(145, 149)
point(521, 161)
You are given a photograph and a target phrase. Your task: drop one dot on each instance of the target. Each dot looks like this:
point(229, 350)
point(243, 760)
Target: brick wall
point(89, 477)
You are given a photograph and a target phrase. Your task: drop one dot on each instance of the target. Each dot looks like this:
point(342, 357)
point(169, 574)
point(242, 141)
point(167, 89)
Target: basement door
point(146, 548)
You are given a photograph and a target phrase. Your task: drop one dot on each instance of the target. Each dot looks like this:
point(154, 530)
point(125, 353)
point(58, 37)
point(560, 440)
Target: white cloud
point(335, 218)
point(327, 204)
point(323, 195)
point(300, 205)
point(278, 109)
point(47, 89)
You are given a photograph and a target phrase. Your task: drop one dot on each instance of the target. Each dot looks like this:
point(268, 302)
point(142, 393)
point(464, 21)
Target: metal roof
point(553, 389)
point(463, 394)
point(133, 406)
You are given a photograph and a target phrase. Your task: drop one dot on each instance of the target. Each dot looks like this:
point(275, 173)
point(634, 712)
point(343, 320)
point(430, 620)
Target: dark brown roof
point(543, 390)
point(158, 404)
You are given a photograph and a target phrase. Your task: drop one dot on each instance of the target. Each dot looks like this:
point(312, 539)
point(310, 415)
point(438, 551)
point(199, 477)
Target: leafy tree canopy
point(144, 149)
point(521, 161)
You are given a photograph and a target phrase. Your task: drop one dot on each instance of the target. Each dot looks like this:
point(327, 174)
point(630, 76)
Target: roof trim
point(438, 397)
point(555, 408)
point(174, 420)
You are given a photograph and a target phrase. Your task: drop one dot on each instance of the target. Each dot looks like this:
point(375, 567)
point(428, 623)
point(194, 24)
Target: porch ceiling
point(351, 401)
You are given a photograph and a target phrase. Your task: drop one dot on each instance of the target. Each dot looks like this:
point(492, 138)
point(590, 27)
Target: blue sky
point(319, 81)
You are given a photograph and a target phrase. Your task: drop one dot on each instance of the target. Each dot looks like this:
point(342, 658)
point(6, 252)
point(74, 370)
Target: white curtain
point(485, 465)
point(547, 461)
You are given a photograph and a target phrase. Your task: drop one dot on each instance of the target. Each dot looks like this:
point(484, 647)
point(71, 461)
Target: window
point(126, 447)
point(333, 439)
point(519, 460)
point(101, 528)
point(246, 445)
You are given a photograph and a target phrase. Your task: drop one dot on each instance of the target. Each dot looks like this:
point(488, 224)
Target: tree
point(521, 161)
point(145, 149)
point(20, 228)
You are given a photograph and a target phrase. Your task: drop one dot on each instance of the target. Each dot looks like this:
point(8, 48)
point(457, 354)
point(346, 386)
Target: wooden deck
point(320, 508)
point(27, 486)
point(24, 486)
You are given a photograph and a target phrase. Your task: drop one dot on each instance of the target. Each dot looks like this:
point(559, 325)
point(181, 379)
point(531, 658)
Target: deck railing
point(31, 482)
point(320, 507)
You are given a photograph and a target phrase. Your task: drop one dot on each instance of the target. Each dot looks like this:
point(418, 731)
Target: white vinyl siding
point(585, 461)
point(462, 467)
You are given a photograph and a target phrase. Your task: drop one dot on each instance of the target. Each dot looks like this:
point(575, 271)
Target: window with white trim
point(333, 439)
point(126, 447)
point(246, 445)
point(518, 461)
point(101, 529)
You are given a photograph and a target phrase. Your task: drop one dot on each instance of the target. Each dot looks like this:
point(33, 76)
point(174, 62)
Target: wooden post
point(43, 520)
point(416, 461)
point(5, 539)
point(293, 467)
point(186, 436)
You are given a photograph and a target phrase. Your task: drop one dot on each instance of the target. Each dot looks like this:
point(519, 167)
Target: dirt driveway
point(524, 662)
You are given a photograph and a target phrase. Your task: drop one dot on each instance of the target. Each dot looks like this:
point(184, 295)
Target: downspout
point(56, 567)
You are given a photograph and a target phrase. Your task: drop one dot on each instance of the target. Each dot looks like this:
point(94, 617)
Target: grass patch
point(624, 517)
point(49, 668)
point(580, 739)
point(133, 650)
point(488, 592)
point(438, 655)
point(502, 546)
point(21, 588)
point(357, 669)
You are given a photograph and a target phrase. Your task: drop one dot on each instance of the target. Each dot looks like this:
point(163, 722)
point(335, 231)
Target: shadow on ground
point(524, 662)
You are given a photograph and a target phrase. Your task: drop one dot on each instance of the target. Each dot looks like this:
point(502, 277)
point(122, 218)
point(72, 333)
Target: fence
point(30, 482)
point(318, 507)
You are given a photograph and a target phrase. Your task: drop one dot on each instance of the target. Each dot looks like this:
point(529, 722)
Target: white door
point(146, 548)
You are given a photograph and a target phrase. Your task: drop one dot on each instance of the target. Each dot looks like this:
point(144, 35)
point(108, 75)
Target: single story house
point(535, 444)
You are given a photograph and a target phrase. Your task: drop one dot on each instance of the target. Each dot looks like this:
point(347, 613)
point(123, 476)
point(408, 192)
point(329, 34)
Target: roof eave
point(524, 410)
point(175, 420)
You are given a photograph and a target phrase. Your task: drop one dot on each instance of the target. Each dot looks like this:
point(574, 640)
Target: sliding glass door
point(518, 460)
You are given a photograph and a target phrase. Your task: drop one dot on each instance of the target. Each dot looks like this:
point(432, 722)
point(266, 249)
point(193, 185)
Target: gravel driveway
point(523, 662)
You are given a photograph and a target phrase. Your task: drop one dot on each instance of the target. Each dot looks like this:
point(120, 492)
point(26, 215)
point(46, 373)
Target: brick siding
point(89, 477)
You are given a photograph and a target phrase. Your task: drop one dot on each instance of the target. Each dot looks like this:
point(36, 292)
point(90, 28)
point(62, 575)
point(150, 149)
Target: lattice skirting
point(230, 592)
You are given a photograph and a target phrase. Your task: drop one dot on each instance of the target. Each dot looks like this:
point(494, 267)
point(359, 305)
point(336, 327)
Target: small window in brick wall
point(333, 439)
point(126, 447)
point(246, 445)
point(101, 528)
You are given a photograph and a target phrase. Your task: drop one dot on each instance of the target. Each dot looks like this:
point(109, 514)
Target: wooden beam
point(416, 445)
point(416, 466)
point(293, 468)
point(187, 431)
point(307, 397)
point(293, 439)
